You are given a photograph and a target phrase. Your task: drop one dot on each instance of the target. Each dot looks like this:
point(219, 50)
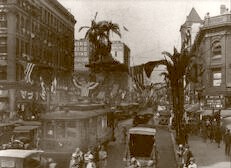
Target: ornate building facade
point(212, 48)
point(36, 53)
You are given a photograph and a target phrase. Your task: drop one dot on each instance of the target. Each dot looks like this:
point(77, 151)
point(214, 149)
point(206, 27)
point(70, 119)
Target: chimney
point(222, 9)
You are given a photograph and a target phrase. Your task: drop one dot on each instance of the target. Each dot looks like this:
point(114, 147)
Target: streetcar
point(71, 126)
point(141, 144)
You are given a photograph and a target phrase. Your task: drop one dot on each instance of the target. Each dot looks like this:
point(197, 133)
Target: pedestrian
point(102, 157)
point(186, 131)
point(87, 154)
point(204, 131)
point(180, 152)
point(134, 163)
point(91, 163)
point(77, 158)
point(192, 163)
point(51, 163)
point(187, 155)
point(227, 142)
point(218, 136)
point(124, 134)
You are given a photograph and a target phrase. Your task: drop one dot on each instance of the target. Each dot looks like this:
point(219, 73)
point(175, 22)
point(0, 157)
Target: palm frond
point(83, 27)
point(149, 66)
point(96, 13)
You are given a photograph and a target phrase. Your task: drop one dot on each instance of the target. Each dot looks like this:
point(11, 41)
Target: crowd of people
point(91, 159)
point(211, 130)
point(185, 157)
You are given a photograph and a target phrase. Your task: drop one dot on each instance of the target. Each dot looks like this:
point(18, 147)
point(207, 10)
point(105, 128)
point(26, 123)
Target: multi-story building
point(36, 48)
point(188, 32)
point(120, 52)
point(83, 50)
point(191, 26)
point(212, 47)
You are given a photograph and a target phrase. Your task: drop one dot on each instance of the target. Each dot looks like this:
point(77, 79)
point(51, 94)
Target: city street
point(165, 148)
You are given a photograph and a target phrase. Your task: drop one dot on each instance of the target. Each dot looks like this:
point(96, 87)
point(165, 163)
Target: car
point(142, 118)
point(19, 158)
point(121, 115)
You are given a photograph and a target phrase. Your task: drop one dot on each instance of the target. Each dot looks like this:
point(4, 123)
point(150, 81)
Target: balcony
point(221, 20)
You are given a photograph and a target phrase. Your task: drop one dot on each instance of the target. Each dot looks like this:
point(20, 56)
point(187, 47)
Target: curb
point(174, 146)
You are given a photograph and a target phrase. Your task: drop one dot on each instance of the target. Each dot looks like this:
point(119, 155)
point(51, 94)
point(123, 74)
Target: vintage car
point(142, 119)
point(27, 134)
point(141, 144)
point(16, 158)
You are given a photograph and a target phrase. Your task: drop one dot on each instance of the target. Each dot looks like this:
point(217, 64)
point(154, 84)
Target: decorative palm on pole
point(176, 67)
point(98, 34)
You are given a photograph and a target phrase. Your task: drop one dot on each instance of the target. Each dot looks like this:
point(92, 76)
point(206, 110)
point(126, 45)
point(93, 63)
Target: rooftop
point(217, 21)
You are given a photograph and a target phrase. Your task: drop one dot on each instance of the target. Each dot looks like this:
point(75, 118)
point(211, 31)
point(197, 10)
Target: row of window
point(61, 129)
point(46, 16)
point(81, 48)
point(81, 43)
point(216, 78)
point(81, 54)
point(81, 59)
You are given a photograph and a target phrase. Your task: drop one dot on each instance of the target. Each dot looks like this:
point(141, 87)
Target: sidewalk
point(208, 154)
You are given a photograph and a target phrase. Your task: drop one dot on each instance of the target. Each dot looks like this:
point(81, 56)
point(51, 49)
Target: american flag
point(28, 70)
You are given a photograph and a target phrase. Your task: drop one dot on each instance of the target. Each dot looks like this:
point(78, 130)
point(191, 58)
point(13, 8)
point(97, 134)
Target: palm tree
point(99, 35)
point(176, 68)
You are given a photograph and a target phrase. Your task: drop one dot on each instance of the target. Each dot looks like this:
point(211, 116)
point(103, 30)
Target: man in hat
point(77, 159)
point(180, 152)
point(91, 163)
point(187, 155)
point(74, 163)
point(227, 138)
point(192, 163)
point(102, 157)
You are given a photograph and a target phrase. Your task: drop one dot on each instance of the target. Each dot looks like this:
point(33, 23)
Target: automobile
point(19, 158)
point(142, 119)
point(28, 134)
point(141, 144)
point(121, 115)
point(164, 118)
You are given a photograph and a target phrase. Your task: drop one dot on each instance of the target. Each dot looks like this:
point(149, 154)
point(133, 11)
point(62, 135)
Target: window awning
point(192, 108)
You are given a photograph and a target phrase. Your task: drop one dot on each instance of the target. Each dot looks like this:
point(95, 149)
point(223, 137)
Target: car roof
point(142, 130)
point(18, 153)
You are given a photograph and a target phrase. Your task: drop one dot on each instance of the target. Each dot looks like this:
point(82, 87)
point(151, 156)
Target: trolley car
point(72, 126)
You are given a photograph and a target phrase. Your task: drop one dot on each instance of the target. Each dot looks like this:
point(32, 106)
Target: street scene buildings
point(81, 101)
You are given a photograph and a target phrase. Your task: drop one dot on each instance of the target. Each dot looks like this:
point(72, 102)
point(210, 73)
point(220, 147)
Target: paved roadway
point(165, 147)
point(116, 149)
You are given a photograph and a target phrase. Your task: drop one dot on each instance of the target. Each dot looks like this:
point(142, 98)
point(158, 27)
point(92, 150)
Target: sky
point(153, 25)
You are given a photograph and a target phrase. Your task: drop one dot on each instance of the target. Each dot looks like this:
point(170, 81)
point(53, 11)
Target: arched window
point(216, 50)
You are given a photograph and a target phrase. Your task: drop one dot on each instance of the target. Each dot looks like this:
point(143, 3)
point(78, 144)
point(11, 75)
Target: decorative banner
point(28, 71)
point(54, 85)
point(43, 93)
point(101, 95)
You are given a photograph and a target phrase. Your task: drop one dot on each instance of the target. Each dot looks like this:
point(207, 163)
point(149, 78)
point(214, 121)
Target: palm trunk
point(175, 108)
point(180, 109)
